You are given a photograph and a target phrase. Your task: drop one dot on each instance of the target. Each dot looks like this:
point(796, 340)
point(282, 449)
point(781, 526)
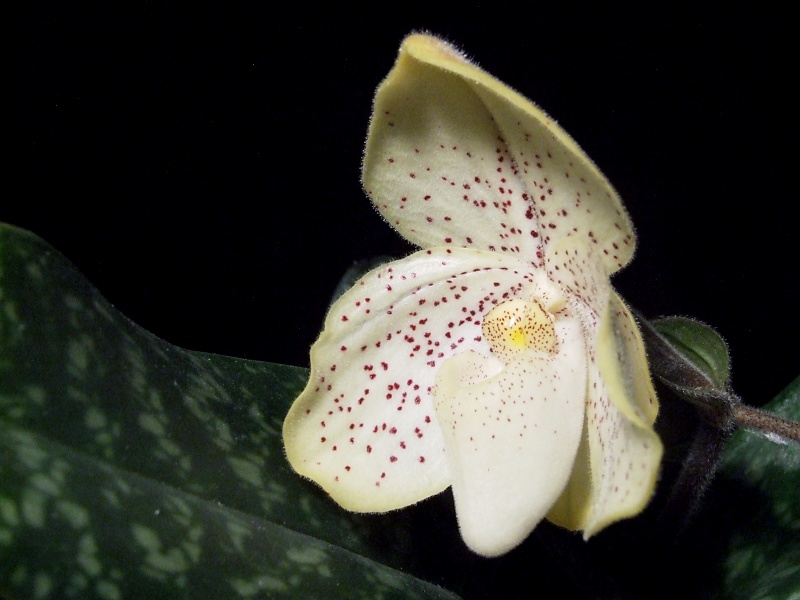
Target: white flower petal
point(617, 479)
point(454, 156)
point(569, 194)
point(573, 264)
point(437, 169)
point(364, 428)
point(625, 450)
point(512, 434)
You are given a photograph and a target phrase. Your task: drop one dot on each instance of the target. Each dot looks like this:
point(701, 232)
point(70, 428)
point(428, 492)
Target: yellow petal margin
point(625, 450)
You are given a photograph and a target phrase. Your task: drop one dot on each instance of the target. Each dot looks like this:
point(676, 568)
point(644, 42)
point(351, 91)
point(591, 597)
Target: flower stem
point(765, 423)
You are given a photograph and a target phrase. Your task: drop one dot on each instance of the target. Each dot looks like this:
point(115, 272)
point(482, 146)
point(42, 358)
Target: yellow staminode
point(516, 325)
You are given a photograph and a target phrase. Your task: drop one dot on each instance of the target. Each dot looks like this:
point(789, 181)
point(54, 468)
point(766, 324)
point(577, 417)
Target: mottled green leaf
point(133, 468)
point(763, 558)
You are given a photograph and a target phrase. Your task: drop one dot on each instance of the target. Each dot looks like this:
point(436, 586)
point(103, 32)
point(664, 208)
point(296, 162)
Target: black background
point(201, 165)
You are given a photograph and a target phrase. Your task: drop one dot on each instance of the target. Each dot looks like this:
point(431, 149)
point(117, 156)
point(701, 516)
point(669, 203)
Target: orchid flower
point(497, 360)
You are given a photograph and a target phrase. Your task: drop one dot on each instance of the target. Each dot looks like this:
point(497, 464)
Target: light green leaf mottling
point(150, 423)
point(87, 555)
point(42, 585)
point(248, 471)
point(44, 484)
point(8, 512)
point(146, 537)
point(257, 586)
point(108, 590)
point(34, 507)
point(95, 419)
point(75, 514)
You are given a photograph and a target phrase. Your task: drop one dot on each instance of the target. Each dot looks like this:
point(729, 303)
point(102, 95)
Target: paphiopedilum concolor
point(497, 360)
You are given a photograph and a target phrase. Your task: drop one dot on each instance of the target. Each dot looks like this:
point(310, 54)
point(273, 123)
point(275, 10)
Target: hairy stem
point(764, 422)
